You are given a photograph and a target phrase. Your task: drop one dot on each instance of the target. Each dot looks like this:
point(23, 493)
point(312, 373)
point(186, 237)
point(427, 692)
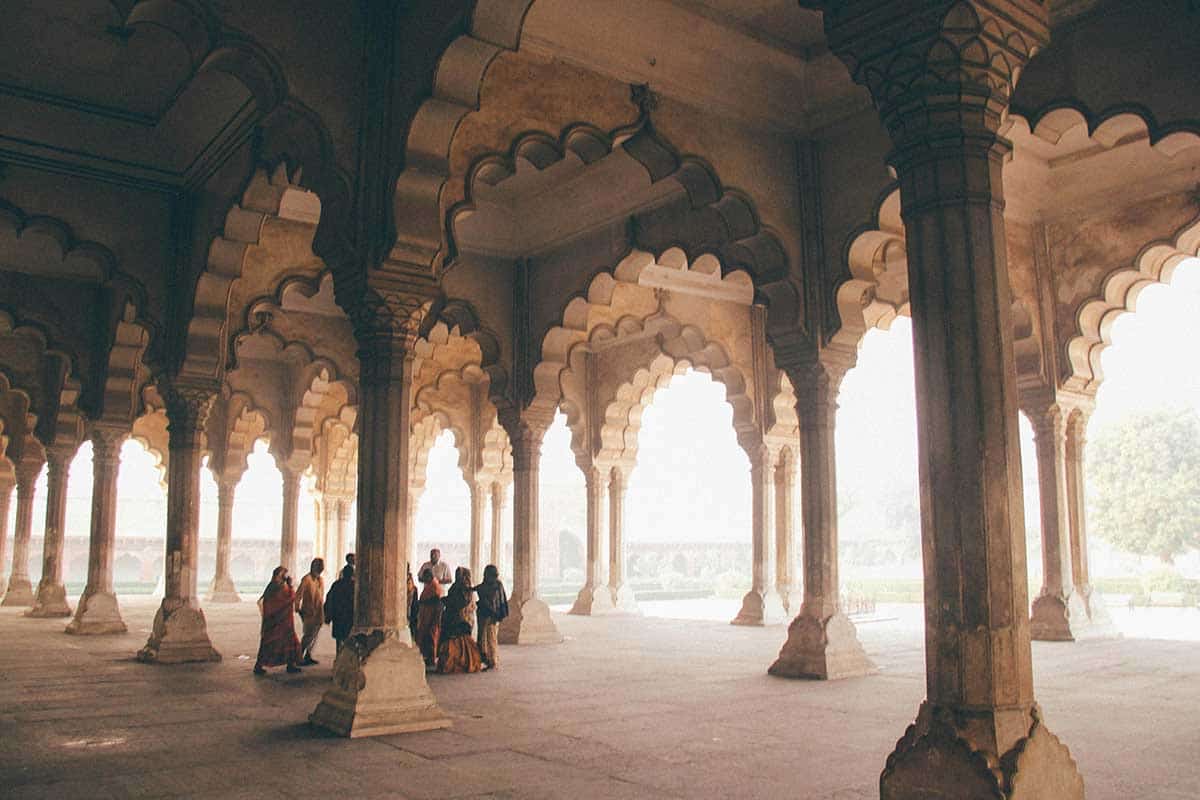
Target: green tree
point(1144, 483)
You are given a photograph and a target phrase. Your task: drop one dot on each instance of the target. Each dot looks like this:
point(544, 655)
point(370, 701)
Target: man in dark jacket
point(339, 606)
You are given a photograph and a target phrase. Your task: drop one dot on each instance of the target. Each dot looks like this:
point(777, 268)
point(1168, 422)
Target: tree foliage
point(1144, 483)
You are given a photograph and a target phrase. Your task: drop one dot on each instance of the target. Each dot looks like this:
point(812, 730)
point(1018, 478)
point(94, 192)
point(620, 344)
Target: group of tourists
point(456, 627)
point(452, 621)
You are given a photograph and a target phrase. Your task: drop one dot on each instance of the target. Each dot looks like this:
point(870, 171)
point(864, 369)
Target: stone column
point(622, 592)
point(497, 548)
point(941, 76)
point(785, 532)
point(1057, 609)
point(822, 643)
point(51, 597)
point(1100, 622)
point(478, 511)
point(288, 555)
point(379, 683)
point(97, 611)
point(223, 589)
point(180, 632)
point(762, 604)
point(529, 619)
point(6, 493)
point(343, 526)
point(595, 596)
point(20, 590)
point(329, 523)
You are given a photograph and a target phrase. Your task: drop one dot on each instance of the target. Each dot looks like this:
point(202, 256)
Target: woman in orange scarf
point(278, 644)
point(429, 617)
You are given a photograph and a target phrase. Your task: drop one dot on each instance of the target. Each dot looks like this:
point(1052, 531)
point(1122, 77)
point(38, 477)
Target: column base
point(822, 649)
point(761, 608)
point(623, 600)
point(1058, 619)
point(379, 688)
point(19, 593)
point(937, 757)
point(180, 635)
point(51, 601)
point(529, 622)
point(593, 601)
point(97, 613)
point(223, 590)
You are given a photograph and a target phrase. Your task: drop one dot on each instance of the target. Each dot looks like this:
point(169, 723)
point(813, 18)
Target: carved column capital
point(187, 405)
point(816, 386)
point(390, 311)
point(525, 433)
point(27, 470)
point(106, 443)
point(58, 459)
point(937, 66)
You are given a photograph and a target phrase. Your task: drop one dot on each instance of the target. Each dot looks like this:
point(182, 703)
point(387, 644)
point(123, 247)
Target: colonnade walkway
point(624, 708)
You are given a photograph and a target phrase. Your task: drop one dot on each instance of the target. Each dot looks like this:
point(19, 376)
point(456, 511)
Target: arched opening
point(688, 505)
point(443, 518)
point(141, 514)
point(562, 517)
point(258, 511)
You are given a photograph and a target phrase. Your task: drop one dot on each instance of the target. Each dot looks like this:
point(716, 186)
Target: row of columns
point(486, 495)
point(605, 590)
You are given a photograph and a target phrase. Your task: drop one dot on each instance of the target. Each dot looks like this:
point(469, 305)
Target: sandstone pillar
point(785, 533)
point(478, 512)
point(97, 611)
point(180, 632)
point(1100, 623)
point(328, 527)
point(223, 589)
point(497, 548)
point(288, 546)
point(379, 683)
point(595, 597)
point(622, 592)
point(822, 643)
point(529, 619)
point(941, 75)
point(762, 604)
point(50, 599)
point(6, 493)
point(343, 525)
point(20, 590)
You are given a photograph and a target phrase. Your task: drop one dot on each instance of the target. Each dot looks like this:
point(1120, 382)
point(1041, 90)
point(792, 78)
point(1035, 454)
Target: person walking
point(310, 603)
point(491, 609)
point(339, 606)
point(277, 641)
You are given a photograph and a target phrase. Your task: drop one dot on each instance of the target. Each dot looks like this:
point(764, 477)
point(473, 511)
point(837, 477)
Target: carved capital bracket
point(392, 309)
point(937, 67)
point(187, 404)
point(525, 430)
point(816, 385)
point(107, 440)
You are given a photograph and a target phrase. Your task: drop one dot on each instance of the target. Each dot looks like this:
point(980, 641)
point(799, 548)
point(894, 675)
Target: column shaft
point(478, 511)
point(785, 533)
point(595, 597)
point(6, 494)
point(288, 543)
point(343, 525)
point(497, 548)
point(379, 677)
point(20, 590)
point(762, 604)
point(223, 589)
point(97, 611)
point(180, 630)
point(622, 592)
point(1099, 621)
point(50, 599)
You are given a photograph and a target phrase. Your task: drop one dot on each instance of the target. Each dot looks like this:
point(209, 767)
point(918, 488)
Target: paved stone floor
point(625, 708)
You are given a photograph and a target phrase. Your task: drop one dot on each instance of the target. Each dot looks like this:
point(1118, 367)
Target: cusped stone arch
point(324, 396)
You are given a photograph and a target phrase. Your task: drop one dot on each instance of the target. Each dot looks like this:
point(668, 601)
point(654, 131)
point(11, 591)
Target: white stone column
point(379, 685)
point(50, 600)
point(529, 619)
point(20, 589)
point(288, 544)
point(180, 632)
point(785, 532)
point(762, 605)
point(97, 611)
point(6, 493)
point(223, 589)
point(595, 597)
point(497, 549)
point(822, 643)
point(942, 86)
point(622, 592)
point(478, 512)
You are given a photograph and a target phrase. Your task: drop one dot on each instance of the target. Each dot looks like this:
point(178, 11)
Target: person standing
point(440, 569)
point(339, 606)
point(491, 609)
point(277, 643)
point(457, 651)
point(429, 616)
point(310, 603)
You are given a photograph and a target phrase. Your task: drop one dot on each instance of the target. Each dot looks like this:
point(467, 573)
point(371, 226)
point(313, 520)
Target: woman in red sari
point(278, 644)
point(429, 617)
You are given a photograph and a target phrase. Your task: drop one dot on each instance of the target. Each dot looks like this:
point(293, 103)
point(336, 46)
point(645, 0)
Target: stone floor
point(625, 708)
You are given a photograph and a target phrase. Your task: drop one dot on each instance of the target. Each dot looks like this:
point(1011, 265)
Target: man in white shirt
point(440, 569)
